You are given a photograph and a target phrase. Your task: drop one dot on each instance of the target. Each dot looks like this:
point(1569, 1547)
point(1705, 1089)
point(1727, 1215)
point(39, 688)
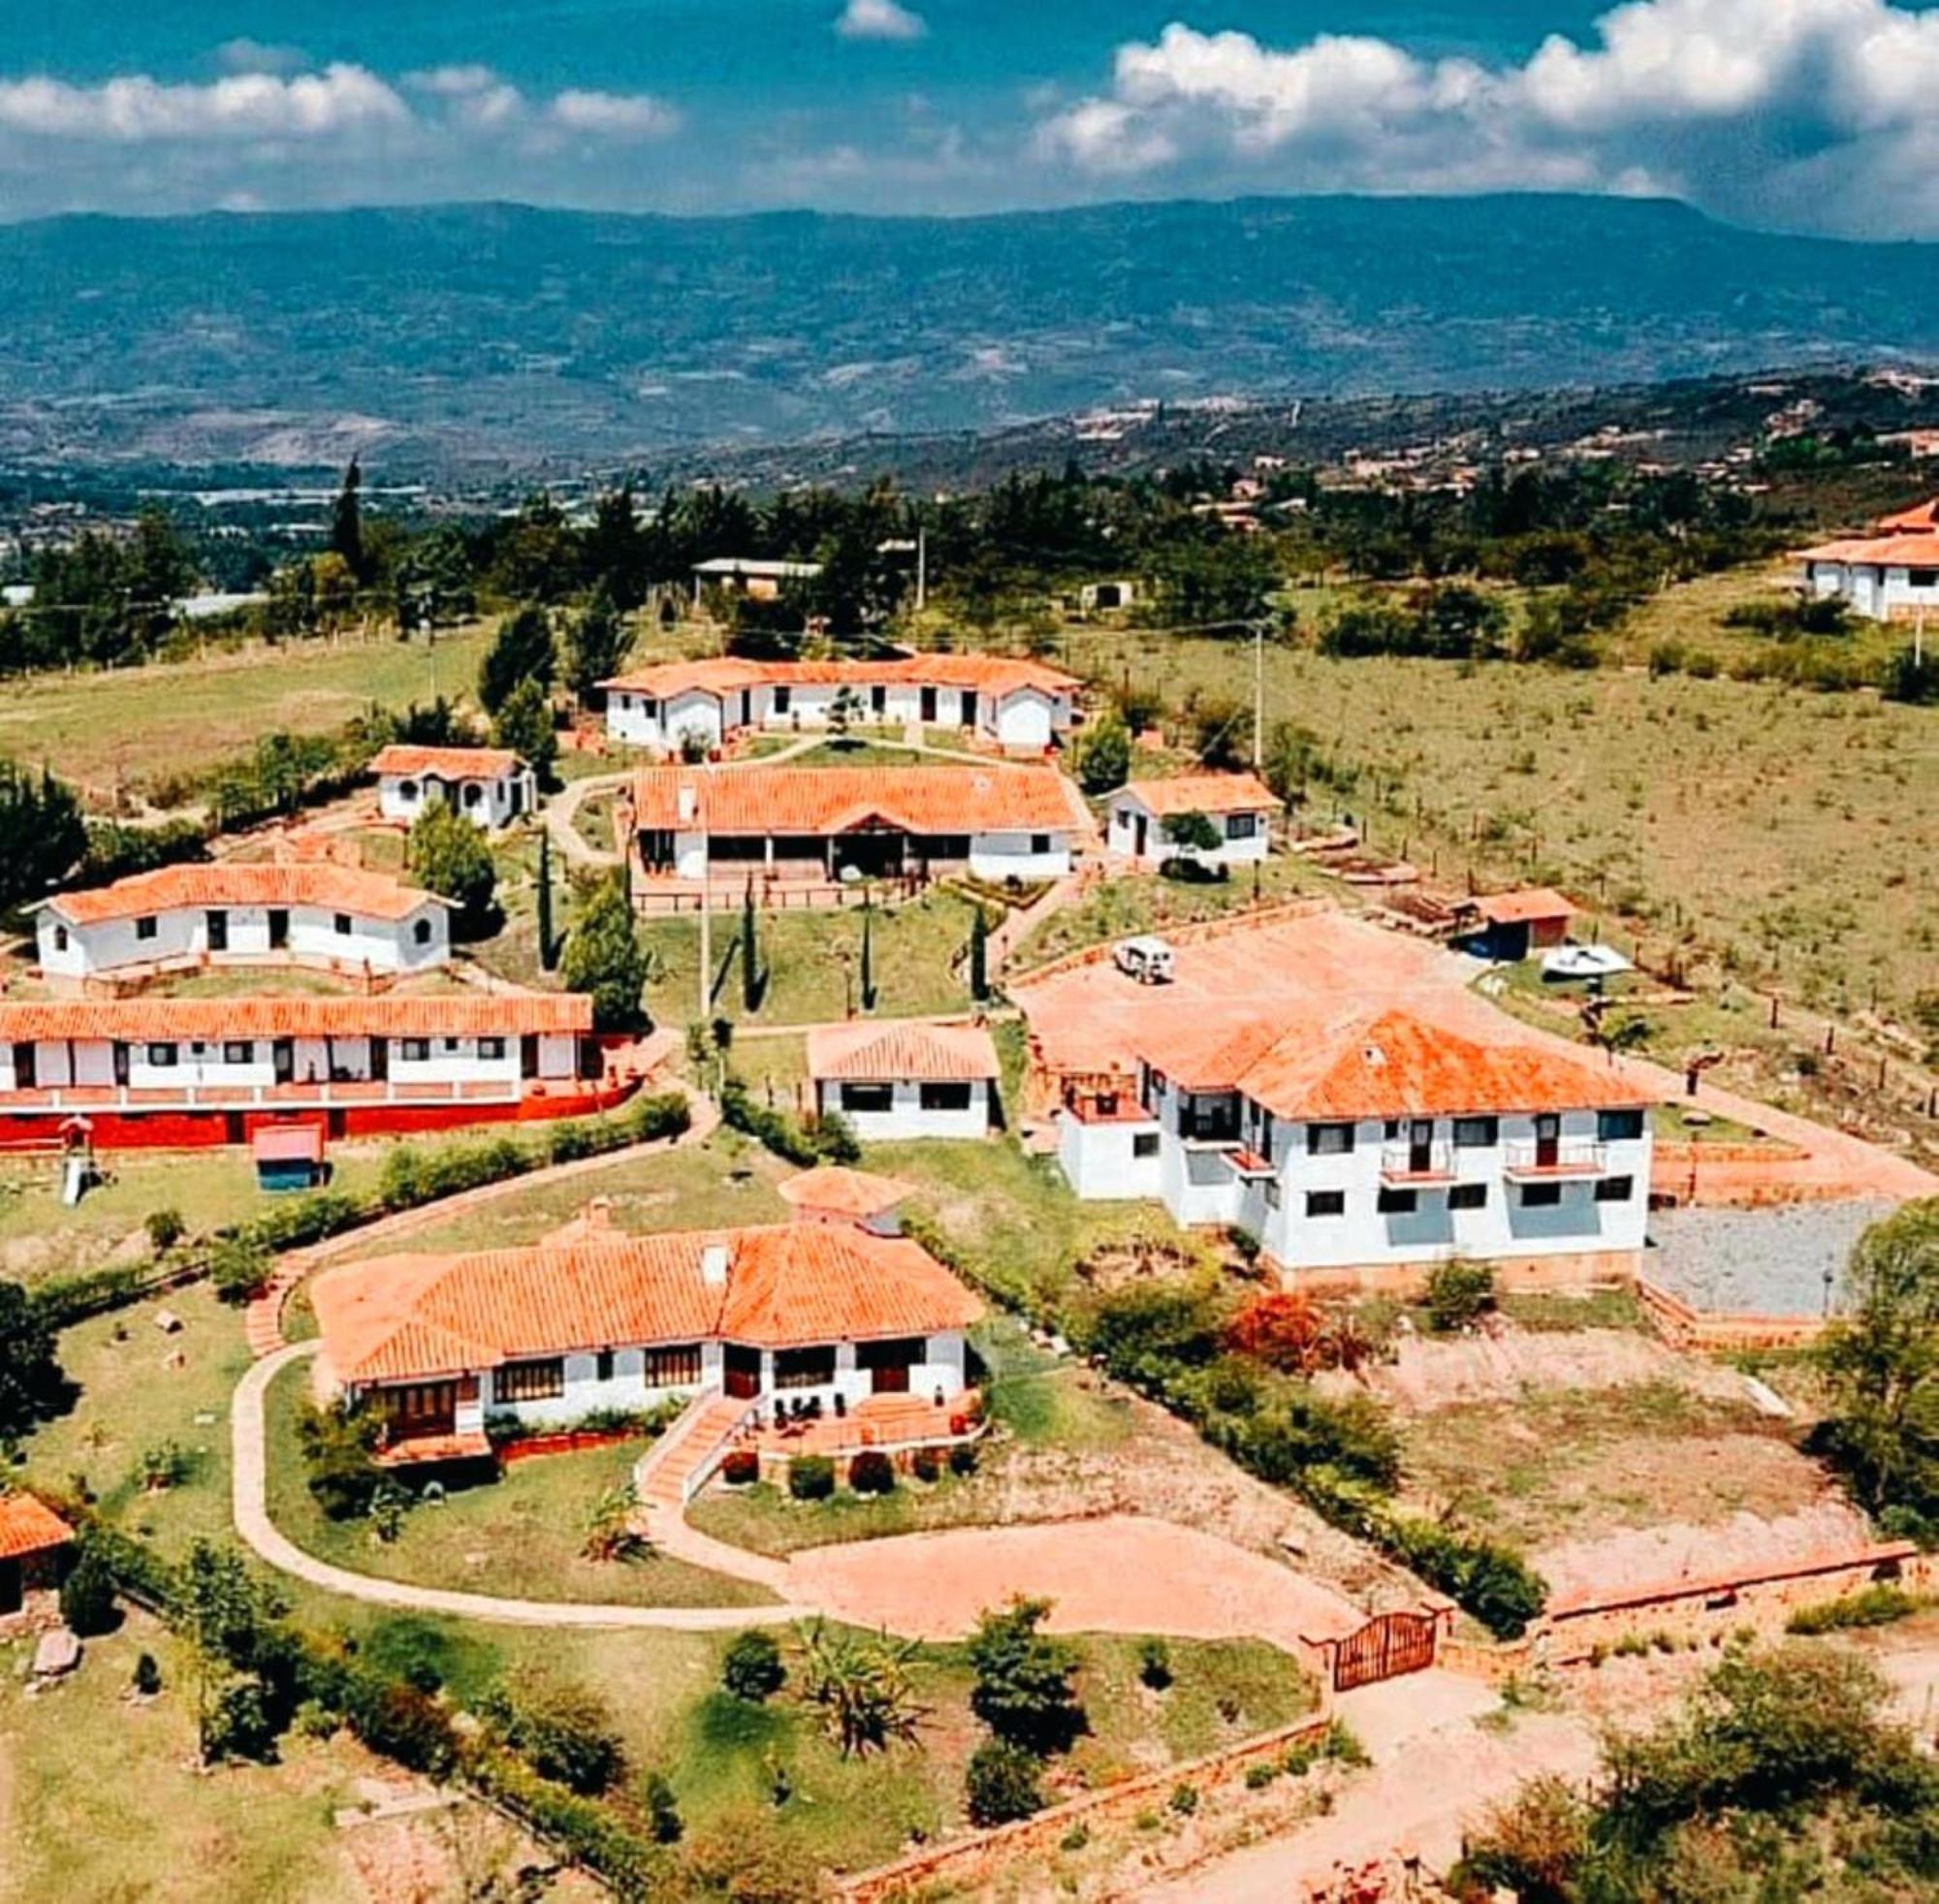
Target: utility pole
point(921, 568)
point(706, 895)
point(1258, 695)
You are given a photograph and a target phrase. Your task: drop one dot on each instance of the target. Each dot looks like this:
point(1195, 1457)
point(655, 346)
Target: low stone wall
point(1688, 1328)
point(982, 1855)
point(1572, 1274)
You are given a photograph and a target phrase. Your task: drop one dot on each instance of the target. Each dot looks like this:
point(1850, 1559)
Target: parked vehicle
point(1146, 959)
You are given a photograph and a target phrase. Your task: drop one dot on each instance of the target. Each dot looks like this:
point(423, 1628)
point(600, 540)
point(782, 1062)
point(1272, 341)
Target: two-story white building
point(896, 1081)
point(1375, 1142)
point(232, 913)
point(489, 786)
point(1239, 808)
point(183, 1072)
point(595, 1319)
point(1019, 705)
point(824, 824)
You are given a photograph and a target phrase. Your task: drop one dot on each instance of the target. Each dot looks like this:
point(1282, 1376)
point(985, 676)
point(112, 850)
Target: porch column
point(768, 850)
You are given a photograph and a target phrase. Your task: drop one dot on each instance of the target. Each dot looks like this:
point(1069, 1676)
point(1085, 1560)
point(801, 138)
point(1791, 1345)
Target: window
point(1039, 842)
point(342, 925)
point(1275, 1196)
point(783, 699)
point(407, 791)
point(1468, 1196)
point(868, 1096)
point(145, 927)
point(1618, 1126)
point(1241, 826)
point(530, 1381)
point(602, 1366)
point(238, 1051)
point(490, 1047)
point(945, 1097)
point(1398, 1202)
point(1541, 1197)
point(1615, 1189)
point(60, 938)
point(1393, 1127)
point(1325, 1203)
point(420, 932)
point(451, 1044)
point(414, 1050)
point(675, 1367)
point(1329, 1139)
point(803, 1368)
point(162, 1055)
point(473, 793)
point(1477, 1133)
point(1144, 1143)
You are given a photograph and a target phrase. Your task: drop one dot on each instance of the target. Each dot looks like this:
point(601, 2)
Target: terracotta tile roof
point(397, 1319)
point(450, 763)
point(236, 883)
point(1915, 550)
point(844, 1192)
point(1203, 793)
point(1923, 519)
point(728, 674)
point(445, 1015)
point(1391, 1064)
point(933, 1054)
point(827, 800)
point(1523, 905)
point(29, 1526)
point(287, 1143)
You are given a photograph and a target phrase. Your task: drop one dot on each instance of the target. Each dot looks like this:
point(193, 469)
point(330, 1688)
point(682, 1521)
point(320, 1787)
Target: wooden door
point(1421, 1146)
point(1547, 1140)
point(742, 1373)
point(218, 931)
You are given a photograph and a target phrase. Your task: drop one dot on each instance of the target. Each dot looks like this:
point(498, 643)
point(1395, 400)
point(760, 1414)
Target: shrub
point(660, 1808)
point(751, 1669)
point(165, 1230)
point(339, 1443)
point(1871, 1606)
point(926, 1464)
point(239, 1266)
point(1024, 1690)
point(811, 1477)
point(1004, 1782)
point(1183, 1800)
point(88, 1596)
point(872, 1472)
point(1155, 1663)
point(1457, 1293)
point(147, 1675)
point(962, 1456)
point(1261, 1775)
point(563, 1732)
point(741, 1467)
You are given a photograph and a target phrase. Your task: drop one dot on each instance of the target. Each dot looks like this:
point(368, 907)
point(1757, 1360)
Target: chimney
point(714, 1255)
point(599, 1214)
point(689, 801)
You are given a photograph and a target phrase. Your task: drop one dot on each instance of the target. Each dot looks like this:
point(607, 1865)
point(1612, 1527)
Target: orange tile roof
point(1523, 905)
point(450, 763)
point(842, 1191)
point(728, 674)
point(400, 1319)
point(445, 1015)
point(1923, 519)
point(1915, 550)
point(1391, 1063)
point(828, 800)
point(236, 882)
point(29, 1526)
point(1203, 793)
point(933, 1054)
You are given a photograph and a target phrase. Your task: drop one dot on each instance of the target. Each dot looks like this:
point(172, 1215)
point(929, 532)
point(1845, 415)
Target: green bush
point(1004, 1782)
point(564, 1733)
point(751, 1668)
point(239, 1266)
point(1183, 1800)
point(1025, 1689)
point(1155, 1663)
point(661, 1809)
point(1871, 1606)
point(1457, 1292)
point(88, 1595)
point(812, 1477)
point(165, 1230)
point(872, 1472)
point(339, 1443)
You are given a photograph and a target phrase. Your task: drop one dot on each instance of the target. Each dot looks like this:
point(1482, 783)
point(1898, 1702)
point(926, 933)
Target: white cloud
point(614, 114)
point(1745, 102)
point(247, 56)
point(244, 105)
point(879, 19)
point(464, 81)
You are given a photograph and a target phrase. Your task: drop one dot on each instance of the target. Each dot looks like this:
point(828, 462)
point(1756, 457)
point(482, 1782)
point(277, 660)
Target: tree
point(868, 954)
point(750, 953)
point(32, 1385)
point(1283, 1330)
point(1104, 757)
point(1882, 1366)
point(43, 835)
point(842, 715)
point(1004, 1782)
point(525, 726)
point(564, 1732)
point(1193, 833)
point(521, 650)
point(751, 1669)
point(603, 956)
point(979, 955)
point(346, 522)
point(862, 1682)
point(218, 1611)
point(339, 1445)
point(88, 1595)
point(597, 643)
point(448, 856)
point(1024, 1690)
point(548, 943)
point(1458, 1294)
point(661, 1808)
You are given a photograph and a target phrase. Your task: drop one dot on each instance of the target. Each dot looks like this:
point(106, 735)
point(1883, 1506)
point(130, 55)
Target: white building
point(759, 578)
point(595, 1319)
point(489, 785)
point(232, 913)
point(1018, 705)
point(1375, 1142)
point(1240, 807)
point(777, 824)
point(898, 1081)
point(1892, 575)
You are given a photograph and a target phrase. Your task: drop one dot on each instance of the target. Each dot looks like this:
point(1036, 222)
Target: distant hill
point(495, 337)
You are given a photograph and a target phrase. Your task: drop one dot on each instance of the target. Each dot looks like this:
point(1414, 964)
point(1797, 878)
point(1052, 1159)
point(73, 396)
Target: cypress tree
point(547, 945)
point(867, 955)
point(346, 522)
point(979, 957)
point(750, 953)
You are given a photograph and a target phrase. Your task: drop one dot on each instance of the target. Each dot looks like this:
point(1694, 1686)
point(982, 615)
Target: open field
point(123, 728)
point(1785, 831)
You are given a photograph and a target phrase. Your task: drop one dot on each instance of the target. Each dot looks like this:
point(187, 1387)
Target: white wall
point(1026, 717)
point(1877, 592)
point(908, 1118)
point(1235, 849)
point(497, 804)
point(1099, 1159)
point(181, 936)
point(1013, 855)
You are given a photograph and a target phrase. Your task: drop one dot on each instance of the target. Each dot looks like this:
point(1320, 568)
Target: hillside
point(493, 336)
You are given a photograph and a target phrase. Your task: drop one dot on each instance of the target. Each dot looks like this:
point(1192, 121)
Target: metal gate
point(1389, 1645)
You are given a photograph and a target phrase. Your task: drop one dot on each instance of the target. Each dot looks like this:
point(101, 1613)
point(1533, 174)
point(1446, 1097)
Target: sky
point(1791, 114)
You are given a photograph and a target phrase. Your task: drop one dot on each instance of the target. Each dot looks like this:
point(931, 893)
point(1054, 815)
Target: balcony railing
point(340, 1092)
point(1417, 1163)
point(1567, 1156)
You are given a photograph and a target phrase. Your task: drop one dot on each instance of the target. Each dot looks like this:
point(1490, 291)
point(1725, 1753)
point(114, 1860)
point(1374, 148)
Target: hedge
point(828, 1141)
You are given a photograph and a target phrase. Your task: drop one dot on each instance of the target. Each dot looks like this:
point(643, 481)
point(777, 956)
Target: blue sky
point(1818, 115)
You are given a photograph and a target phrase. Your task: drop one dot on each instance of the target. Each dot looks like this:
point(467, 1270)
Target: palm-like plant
point(862, 1684)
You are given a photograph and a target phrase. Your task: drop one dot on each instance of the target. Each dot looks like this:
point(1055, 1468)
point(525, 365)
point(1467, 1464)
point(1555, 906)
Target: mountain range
point(495, 337)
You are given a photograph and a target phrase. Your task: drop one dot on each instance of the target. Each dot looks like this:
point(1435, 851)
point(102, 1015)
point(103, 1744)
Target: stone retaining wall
point(1688, 1328)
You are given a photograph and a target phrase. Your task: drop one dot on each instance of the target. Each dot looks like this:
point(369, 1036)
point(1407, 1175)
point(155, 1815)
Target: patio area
point(893, 1423)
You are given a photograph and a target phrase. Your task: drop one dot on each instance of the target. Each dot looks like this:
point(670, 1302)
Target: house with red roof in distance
point(1891, 575)
point(1511, 926)
point(1240, 806)
point(1020, 704)
point(905, 1080)
point(35, 1548)
point(232, 912)
point(490, 786)
point(1002, 822)
point(594, 1319)
point(174, 1073)
point(1376, 1141)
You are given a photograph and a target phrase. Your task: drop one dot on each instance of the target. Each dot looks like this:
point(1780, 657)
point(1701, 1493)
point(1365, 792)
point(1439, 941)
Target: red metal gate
point(1389, 1645)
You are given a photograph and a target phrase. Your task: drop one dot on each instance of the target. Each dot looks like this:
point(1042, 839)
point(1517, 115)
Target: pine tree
point(548, 944)
point(979, 957)
point(450, 858)
point(525, 726)
point(346, 522)
point(521, 651)
point(750, 954)
point(595, 644)
point(604, 957)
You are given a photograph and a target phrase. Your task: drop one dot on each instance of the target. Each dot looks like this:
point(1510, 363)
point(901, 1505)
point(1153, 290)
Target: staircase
point(662, 1475)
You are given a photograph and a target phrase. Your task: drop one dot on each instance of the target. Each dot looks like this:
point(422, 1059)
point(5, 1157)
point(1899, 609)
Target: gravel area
point(1758, 1262)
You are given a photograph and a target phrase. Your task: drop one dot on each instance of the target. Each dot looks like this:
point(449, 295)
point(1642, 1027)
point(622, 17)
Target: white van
point(1148, 960)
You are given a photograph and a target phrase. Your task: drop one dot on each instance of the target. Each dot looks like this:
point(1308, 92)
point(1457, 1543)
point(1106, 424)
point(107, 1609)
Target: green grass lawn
point(131, 725)
point(520, 1536)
